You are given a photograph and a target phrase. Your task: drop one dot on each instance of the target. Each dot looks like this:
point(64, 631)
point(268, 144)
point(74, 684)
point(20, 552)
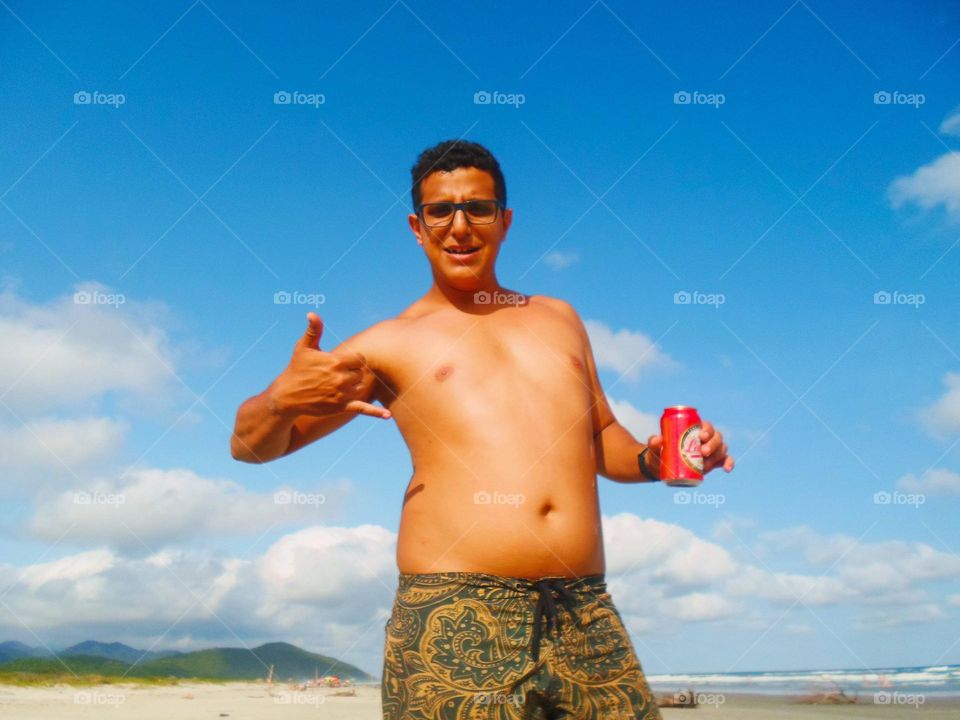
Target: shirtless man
point(496, 395)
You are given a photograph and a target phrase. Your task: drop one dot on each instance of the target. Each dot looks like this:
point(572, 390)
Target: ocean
point(931, 681)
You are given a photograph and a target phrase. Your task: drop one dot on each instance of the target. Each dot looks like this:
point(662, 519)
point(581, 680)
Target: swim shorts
point(465, 645)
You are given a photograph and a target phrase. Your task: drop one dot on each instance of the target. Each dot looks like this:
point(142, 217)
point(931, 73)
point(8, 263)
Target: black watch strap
point(644, 470)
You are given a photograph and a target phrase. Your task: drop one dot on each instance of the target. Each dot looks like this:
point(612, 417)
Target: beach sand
point(255, 701)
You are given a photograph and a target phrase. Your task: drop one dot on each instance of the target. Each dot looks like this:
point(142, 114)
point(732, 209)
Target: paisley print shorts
point(465, 645)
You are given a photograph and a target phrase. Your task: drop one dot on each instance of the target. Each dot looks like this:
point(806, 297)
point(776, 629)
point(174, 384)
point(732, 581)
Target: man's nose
point(460, 226)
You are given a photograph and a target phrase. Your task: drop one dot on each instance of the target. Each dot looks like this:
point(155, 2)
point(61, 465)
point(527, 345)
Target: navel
point(443, 372)
point(545, 509)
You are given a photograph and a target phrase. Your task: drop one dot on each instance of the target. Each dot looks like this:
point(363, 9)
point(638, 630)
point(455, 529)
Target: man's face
point(466, 272)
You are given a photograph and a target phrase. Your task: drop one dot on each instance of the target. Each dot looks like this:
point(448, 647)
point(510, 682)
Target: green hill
point(77, 664)
point(288, 660)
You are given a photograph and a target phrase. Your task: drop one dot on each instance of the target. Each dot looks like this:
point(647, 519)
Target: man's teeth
point(461, 251)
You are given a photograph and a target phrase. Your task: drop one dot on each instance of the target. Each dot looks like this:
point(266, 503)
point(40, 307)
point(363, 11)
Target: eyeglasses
point(441, 214)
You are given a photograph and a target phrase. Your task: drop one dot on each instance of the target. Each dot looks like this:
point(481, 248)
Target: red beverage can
point(681, 463)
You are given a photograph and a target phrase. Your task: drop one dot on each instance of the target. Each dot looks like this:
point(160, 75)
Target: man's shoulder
point(556, 304)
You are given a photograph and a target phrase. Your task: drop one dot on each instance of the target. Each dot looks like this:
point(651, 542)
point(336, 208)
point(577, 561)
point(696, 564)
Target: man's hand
point(322, 383)
point(712, 448)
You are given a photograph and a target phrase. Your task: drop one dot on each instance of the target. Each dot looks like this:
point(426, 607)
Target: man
point(502, 609)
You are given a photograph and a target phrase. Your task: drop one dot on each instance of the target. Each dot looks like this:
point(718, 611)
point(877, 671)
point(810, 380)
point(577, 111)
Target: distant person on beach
point(502, 609)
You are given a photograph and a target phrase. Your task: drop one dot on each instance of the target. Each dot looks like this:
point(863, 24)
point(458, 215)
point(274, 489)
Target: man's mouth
point(461, 249)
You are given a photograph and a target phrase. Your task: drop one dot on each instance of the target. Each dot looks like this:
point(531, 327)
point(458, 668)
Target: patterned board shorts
point(472, 645)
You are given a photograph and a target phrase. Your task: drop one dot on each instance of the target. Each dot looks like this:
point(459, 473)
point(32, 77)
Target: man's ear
point(507, 219)
point(415, 226)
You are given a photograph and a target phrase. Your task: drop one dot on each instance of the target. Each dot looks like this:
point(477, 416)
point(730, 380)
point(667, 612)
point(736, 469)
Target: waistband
point(585, 584)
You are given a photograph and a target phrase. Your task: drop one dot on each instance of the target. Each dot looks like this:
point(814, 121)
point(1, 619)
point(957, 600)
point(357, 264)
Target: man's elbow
point(242, 452)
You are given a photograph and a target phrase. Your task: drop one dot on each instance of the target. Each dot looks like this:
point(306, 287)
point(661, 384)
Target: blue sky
point(788, 187)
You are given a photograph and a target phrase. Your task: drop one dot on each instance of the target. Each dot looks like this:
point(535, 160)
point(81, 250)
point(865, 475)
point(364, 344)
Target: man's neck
point(467, 300)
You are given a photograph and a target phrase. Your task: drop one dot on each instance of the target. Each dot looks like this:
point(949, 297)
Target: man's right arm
point(318, 393)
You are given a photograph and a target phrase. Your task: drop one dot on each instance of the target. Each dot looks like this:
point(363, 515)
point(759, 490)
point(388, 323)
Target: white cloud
point(63, 354)
point(951, 125)
point(558, 260)
point(153, 508)
point(938, 481)
point(942, 418)
point(933, 184)
point(700, 607)
point(46, 444)
point(640, 424)
point(625, 351)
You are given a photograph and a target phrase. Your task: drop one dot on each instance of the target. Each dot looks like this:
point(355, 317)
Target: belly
point(526, 529)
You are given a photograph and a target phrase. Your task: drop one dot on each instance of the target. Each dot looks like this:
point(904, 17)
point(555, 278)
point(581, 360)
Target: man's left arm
point(617, 450)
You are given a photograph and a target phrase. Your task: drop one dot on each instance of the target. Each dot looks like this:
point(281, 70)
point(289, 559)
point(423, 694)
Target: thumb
point(311, 338)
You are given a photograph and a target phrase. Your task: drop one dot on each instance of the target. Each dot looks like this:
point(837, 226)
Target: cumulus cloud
point(951, 125)
point(59, 445)
point(557, 260)
point(625, 351)
point(938, 481)
point(942, 418)
point(151, 508)
point(67, 352)
point(640, 424)
point(328, 589)
point(931, 185)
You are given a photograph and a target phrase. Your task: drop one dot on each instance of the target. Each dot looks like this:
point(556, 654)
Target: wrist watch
point(644, 470)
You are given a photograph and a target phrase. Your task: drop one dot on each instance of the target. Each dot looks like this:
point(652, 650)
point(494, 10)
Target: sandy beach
point(255, 701)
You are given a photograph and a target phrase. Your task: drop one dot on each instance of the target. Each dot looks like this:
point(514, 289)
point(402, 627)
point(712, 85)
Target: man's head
point(456, 171)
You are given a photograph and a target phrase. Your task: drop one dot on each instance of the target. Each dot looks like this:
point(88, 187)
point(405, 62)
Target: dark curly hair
point(452, 154)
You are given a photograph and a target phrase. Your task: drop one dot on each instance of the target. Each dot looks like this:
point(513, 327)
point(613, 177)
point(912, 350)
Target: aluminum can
point(681, 463)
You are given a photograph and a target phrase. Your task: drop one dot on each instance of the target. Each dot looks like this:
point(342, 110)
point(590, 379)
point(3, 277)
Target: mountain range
point(116, 659)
